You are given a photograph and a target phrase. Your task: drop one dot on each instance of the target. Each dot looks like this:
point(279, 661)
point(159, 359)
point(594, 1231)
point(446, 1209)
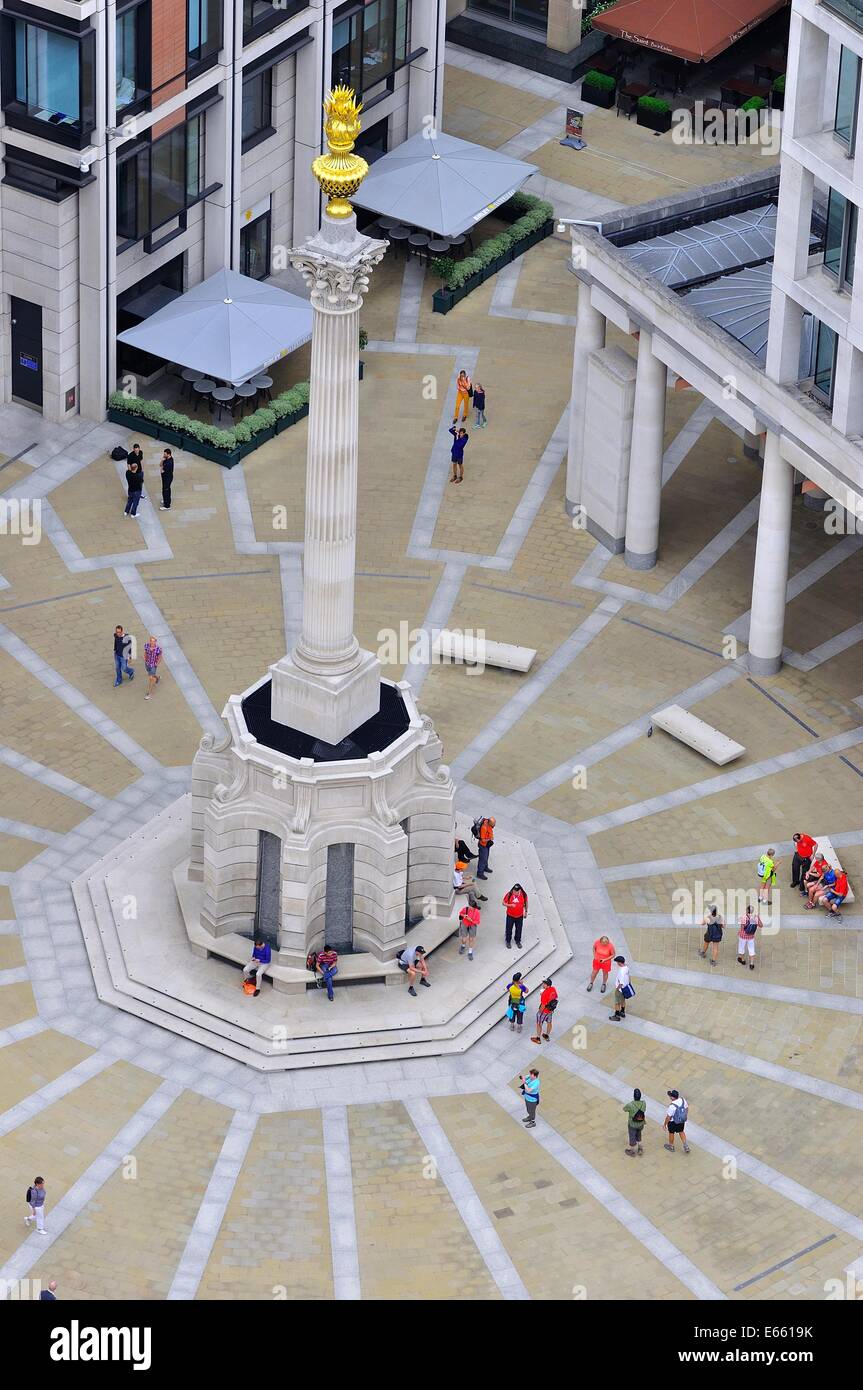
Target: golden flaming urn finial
point(340, 172)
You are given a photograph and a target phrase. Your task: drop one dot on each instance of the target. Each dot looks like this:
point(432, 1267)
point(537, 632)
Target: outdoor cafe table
point(741, 90)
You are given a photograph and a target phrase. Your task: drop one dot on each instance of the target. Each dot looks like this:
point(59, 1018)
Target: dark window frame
point(266, 217)
point(265, 128)
point(76, 134)
point(205, 55)
point(400, 54)
point(143, 11)
point(139, 224)
point(34, 174)
point(278, 14)
point(843, 260)
point(826, 397)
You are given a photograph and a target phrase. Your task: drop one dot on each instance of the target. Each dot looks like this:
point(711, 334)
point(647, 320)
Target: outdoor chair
point(626, 104)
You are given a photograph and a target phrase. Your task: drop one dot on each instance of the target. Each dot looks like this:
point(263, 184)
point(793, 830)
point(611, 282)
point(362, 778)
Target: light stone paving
point(340, 1151)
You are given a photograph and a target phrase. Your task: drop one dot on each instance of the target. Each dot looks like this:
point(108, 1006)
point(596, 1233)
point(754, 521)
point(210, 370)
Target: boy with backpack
point(766, 870)
point(35, 1199)
point(675, 1120)
point(545, 1013)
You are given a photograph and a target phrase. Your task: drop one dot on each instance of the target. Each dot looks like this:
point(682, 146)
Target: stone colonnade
point(614, 470)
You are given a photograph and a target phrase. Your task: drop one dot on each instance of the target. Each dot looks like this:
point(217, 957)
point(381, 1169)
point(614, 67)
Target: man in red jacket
point(515, 902)
point(545, 1012)
point(804, 848)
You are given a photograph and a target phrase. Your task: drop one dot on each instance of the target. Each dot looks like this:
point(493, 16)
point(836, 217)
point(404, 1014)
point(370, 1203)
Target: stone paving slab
point(16, 1004)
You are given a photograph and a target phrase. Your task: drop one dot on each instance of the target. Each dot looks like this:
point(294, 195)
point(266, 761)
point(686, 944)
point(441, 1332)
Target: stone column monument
point(326, 806)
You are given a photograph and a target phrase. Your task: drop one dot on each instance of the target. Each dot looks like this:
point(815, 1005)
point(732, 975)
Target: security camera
point(84, 163)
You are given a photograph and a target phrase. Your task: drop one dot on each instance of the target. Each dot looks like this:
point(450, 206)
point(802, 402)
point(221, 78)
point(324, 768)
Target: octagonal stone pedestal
point(138, 941)
point(391, 806)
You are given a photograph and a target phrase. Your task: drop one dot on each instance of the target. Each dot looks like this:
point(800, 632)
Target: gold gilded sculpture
point(340, 172)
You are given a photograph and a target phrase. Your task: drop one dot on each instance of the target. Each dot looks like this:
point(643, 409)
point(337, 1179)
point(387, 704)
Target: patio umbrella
point(692, 29)
point(229, 327)
point(441, 183)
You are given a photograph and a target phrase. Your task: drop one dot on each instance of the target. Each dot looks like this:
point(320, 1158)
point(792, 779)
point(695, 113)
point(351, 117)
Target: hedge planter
point(445, 299)
point(777, 100)
point(226, 457)
point(598, 96)
point(658, 121)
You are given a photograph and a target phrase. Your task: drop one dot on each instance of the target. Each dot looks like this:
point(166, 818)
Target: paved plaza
point(415, 1179)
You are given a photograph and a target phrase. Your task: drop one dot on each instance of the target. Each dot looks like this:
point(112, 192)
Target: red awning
point(693, 29)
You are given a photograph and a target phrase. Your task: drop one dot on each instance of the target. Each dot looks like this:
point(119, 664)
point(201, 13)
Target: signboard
point(574, 128)
point(25, 359)
point(70, 398)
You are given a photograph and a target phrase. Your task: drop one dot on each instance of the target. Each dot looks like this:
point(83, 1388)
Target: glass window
point(257, 104)
point(255, 248)
point(840, 238)
point(48, 80)
point(846, 98)
point(532, 13)
point(195, 157)
point(163, 179)
point(204, 34)
point(370, 45)
point(167, 177)
point(825, 359)
point(849, 9)
point(261, 15)
point(132, 66)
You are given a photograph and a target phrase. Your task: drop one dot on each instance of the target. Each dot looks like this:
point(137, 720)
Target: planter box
point(777, 101)
point(598, 96)
point(226, 457)
point(445, 299)
point(658, 121)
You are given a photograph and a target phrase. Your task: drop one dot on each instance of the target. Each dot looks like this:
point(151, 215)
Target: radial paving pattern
point(174, 1172)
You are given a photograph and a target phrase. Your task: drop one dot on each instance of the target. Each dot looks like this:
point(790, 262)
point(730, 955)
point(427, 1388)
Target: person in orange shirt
point(603, 955)
point(463, 392)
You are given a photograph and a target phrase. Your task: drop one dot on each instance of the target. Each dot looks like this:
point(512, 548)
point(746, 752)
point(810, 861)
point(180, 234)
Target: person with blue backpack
point(675, 1120)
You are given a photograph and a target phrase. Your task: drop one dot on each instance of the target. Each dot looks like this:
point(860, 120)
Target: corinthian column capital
point(336, 264)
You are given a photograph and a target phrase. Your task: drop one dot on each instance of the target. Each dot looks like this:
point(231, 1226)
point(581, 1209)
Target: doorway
point(339, 931)
point(27, 352)
point(268, 916)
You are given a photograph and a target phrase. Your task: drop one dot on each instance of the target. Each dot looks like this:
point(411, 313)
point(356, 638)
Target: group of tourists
point(135, 478)
point(466, 393)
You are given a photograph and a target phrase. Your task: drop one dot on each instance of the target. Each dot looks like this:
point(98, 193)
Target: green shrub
point(602, 80)
point(754, 104)
point(443, 267)
point(593, 10)
point(779, 83)
point(364, 340)
point(654, 104)
point(463, 271)
point(174, 420)
point(288, 403)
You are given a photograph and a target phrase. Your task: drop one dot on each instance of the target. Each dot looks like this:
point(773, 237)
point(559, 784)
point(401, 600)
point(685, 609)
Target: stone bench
point(680, 723)
point(832, 858)
point(478, 651)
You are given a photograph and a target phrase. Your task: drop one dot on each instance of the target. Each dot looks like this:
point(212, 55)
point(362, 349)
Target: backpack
point(312, 961)
point(761, 866)
point(250, 986)
point(681, 1113)
point(476, 827)
point(638, 1118)
point(750, 927)
point(551, 1006)
point(118, 452)
point(27, 1198)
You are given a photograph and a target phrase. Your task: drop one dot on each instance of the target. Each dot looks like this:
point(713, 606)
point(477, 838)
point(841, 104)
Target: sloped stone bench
point(478, 651)
point(826, 848)
point(687, 727)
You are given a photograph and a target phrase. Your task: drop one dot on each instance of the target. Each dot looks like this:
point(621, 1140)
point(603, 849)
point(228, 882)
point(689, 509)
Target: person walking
point(328, 964)
point(484, 833)
point(479, 406)
point(134, 485)
point(122, 647)
point(516, 993)
point(261, 957)
point(468, 921)
point(766, 871)
point(49, 1295)
point(36, 1196)
point(548, 1002)
point(460, 441)
point(749, 924)
point(623, 989)
point(515, 902)
point(463, 393)
point(413, 962)
point(152, 657)
point(675, 1120)
point(713, 925)
point(530, 1091)
point(635, 1118)
point(166, 468)
point(603, 955)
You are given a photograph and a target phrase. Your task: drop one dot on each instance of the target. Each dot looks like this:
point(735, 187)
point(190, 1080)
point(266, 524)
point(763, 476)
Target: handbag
point(470, 392)
point(628, 992)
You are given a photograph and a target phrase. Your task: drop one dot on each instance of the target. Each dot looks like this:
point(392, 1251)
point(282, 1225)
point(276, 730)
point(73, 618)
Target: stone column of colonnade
point(769, 582)
point(589, 336)
point(645, 462)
